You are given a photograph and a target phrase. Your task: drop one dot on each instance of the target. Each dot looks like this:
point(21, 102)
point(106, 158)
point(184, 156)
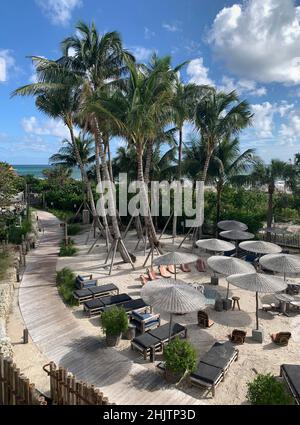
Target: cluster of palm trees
point(98, 87)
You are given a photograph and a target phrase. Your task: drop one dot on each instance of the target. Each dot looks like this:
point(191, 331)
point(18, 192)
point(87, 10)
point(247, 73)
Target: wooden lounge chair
point(95, 292)
point(144, 321)
point(152, 275)
point(153, 341)
point(85, 281)
point(164, 272)
point(281, 338)
point(200, 265)
point(96, 306)
point(291, 375)
point(144, 279)
point(171, 268)
point(203, 320)
point(238, 336)
point(128, 306)
point(185, 268)
point(214, 365)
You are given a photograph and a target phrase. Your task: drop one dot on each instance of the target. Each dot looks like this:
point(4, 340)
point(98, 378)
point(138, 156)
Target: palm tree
point(66, 155)
point(227, 161)
point(219, 115)
point(266, 175)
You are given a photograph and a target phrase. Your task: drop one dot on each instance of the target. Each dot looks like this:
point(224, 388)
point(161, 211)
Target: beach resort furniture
point(152, 275)
point(291, 375)
point(128, 306)
point(203, 320)
point(292, 289)
point(271, 308)
point(219, 304)
point(93, 292)
point(143, 320)
point(154, 341)
point(213, 366)
point(230, 253)
point(200, 265)
point(163, 271)
point(144, 279)
point(171, 268)
point(85, 281)
point(284, 301)
point(96, 306)
point(281, 338)
point(185, 268)
point(237, 336)
point(236, 302)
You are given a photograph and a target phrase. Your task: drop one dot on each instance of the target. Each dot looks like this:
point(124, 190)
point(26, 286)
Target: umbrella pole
point(175, 271)
point(257, 311)
point(170, 326)
point(227, 294)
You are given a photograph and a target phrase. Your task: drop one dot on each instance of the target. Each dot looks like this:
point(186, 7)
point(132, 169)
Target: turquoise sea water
point(37, 170)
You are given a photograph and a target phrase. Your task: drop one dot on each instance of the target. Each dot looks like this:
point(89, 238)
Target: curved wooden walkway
point(61, 338)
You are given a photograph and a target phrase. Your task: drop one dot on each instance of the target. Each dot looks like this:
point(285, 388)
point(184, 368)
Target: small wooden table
point(236, 301)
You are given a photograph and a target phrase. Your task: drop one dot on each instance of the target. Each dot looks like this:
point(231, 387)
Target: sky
point(251, 46)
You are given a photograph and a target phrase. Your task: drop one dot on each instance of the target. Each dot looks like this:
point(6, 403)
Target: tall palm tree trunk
point(174, 231)
point(219, 200)
point(149, 153)
point(270, 209)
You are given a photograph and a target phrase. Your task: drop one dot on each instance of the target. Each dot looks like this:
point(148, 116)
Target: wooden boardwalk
point(61, 338)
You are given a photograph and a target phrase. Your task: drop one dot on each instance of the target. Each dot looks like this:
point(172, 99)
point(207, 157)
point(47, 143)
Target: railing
point(289, 240)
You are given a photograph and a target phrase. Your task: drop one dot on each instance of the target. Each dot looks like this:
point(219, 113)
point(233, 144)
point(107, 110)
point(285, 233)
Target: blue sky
point(251, 46)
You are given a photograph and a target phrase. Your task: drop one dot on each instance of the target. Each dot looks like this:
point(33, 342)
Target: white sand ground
point(266, 357)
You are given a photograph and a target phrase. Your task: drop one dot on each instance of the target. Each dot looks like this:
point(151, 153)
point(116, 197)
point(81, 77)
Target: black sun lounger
point(291, 375)
point(129, 305)
point(213, 366)
point(87, 294)
point(96, 306)
point(151, 342)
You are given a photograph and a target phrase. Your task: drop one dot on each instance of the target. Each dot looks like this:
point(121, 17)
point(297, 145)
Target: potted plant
point(267, 390)
point(114, 321)
point(180, 359)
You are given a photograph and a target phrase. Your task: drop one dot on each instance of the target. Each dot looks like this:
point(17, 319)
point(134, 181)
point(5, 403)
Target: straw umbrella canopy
point(232, 225)
point(236, 235)
point(175, 258)
point(228, 266)
point(260, 247)
point(282, 263)
point(215, 245)
point(258, 283)
point(173, 297)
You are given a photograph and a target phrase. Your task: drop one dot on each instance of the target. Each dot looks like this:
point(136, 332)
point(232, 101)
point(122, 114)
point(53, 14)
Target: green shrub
point(67, 250)
point(73, 229)
point(65, 280)
point(267, 390)
point(114, 321)
point(6, 261)
point(180, 356)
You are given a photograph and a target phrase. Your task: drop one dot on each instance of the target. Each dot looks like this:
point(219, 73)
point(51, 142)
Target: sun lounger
point(230, 253)
point(153, 341)
point(144, 279)
point(203, 320)
point(185, 268)
point(95, 306)
point(87, 294)
point(152, 275)
point(281, 338)
point(85, 281)
point(238, 336)
point(128, 306)
point(200, 265)
point(213, 366)
point(291, 375)
point(171, 268)
point(164, 272)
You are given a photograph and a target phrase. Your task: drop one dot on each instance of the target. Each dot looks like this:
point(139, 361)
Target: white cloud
point(6, 63)
point(141, 53)
point(241, 86)
point(51, 127)
point(172, 27)
point(198, 73)
point(263, 119)
point(59, 11)
point(148, 33)
point(260, 40)
point(290, 131)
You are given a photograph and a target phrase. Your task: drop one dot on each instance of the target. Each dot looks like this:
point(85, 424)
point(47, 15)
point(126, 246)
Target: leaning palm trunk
point(145, 202)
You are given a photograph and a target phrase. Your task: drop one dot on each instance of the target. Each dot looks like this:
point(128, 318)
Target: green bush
point(267, 390)
point(65, 280)
point(67, 250)
point(114, 321)
point(6, 261)
point(180, 356)
point(15, 232)
point(73, 229)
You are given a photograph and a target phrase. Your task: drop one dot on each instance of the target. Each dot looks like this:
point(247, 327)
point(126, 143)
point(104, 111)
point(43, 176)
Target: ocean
point(37, 170)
